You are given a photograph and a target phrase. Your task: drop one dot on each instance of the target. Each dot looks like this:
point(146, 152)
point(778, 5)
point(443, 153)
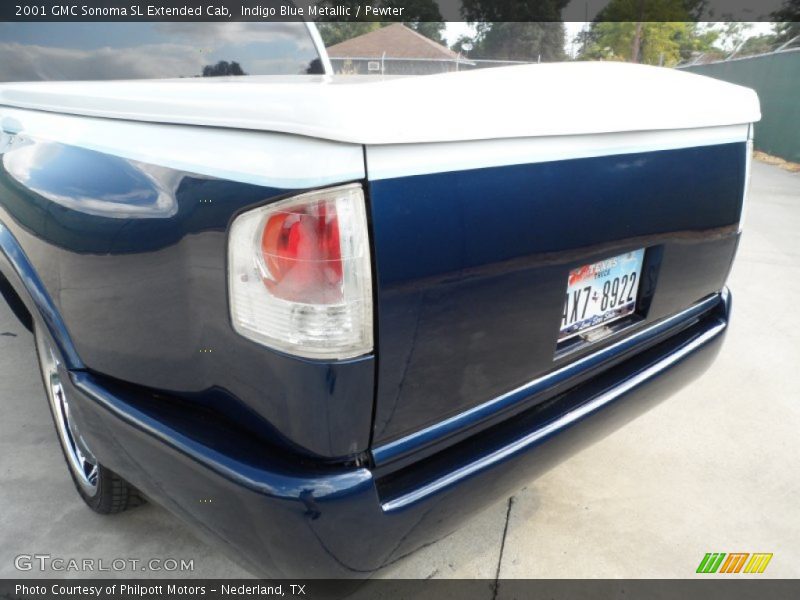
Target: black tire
point(102, 490)
point(114, 494)
point(15, 303)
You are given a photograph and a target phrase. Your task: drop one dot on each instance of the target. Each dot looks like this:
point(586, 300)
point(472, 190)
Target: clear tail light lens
point(748, 165)
point(299, 274)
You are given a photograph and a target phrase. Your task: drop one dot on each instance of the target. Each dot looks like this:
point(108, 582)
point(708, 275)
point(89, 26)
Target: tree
point(660, 21)
point(222, 69)
point(735, 40)
point(476, 11)
point(787, 31)
point(529, 30)
point(335, 32)
point(758, 44)
point(639, 11)
point(659, 43)
point(697, 39)
point(423, 17)
point(430, 29)
point(733, 34)
point(788, 16)
point(463, 45)
point(529, 41)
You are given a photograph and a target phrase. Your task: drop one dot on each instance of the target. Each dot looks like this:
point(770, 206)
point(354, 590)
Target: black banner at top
point(400, 10)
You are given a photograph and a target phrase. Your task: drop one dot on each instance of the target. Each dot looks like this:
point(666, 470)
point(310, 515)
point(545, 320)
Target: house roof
point(397, 40)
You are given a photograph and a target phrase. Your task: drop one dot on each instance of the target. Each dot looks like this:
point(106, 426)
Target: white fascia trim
point(404, 160)
point(274, 160)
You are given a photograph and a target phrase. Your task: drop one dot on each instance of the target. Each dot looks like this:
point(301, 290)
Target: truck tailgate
point(475, 243)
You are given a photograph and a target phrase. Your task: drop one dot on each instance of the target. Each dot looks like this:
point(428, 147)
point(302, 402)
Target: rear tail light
point(299, 274)
point(747, 168)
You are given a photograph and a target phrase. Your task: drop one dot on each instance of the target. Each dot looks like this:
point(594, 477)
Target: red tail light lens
point(302, 254)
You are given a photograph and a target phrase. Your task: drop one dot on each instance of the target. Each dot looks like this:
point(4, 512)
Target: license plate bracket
point(600, 293)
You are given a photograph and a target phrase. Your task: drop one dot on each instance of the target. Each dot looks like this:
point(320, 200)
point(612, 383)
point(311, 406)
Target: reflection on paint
point(94, 183)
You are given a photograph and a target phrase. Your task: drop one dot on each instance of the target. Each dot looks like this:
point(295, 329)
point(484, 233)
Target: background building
point(394, 50)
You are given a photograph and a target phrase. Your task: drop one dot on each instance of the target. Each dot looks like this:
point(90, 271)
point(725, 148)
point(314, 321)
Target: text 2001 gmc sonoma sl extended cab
point(325, 318)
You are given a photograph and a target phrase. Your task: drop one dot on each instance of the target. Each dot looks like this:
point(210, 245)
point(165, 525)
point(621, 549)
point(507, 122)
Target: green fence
point(776, 78)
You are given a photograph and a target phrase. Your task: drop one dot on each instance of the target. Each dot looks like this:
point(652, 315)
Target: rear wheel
point(103, 490)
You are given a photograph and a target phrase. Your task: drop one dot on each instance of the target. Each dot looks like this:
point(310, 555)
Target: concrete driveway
point(715, 469)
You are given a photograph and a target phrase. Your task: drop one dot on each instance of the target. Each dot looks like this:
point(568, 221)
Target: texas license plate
point(600, 293)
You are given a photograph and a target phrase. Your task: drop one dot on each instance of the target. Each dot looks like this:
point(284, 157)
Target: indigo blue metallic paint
point(549, 385)
point(133, 258)
point(472, 265)
point(281, 517)
point(553, 422)
point(17, 269)
point(133, 270)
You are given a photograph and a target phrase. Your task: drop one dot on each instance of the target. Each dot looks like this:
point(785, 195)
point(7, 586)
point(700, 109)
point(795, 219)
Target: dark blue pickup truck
point(325, 318)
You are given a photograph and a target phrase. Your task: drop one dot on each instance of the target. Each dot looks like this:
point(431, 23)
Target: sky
point(129, 50)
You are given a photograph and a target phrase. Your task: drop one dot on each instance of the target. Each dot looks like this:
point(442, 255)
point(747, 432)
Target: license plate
point(600, 293)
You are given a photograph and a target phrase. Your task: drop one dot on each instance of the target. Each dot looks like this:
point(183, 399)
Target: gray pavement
point(714, 469)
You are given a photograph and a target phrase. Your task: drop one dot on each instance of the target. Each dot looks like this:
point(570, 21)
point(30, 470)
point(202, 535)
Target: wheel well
point(15, 302)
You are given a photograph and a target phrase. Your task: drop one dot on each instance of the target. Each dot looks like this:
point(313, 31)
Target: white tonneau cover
point(507, 102)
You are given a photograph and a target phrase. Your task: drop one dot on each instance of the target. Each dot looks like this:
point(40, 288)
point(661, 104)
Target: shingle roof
point(397, 40)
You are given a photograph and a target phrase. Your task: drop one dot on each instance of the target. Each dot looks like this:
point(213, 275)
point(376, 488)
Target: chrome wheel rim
point(80, 458)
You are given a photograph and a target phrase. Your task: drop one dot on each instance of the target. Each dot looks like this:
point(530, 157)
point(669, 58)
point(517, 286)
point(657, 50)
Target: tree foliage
point(512, 10)
point(758, 44)
point(654, 43)
point(788, 26)
point(528, 41)
point(514, 29)
point(339, 31)
point(660, 43)
point(671, 42)
point(464, 44)
point(695, 39)
point(430, 29)
point(660, 32)
point(652, 10)
point(423, 17)
point(223, 69)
